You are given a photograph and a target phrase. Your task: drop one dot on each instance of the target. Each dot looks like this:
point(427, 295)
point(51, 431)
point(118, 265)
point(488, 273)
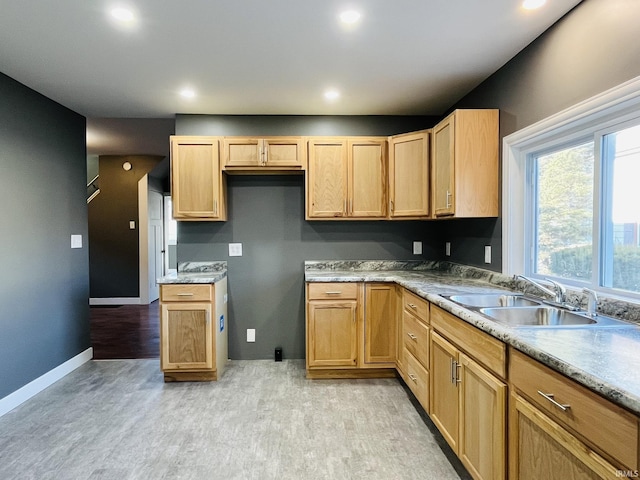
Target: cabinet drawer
point(483, 347)
point(609, 428)
point(329, 291)
point(186, 292)
point(416, 305)
point(416, 338)
point(417, 379)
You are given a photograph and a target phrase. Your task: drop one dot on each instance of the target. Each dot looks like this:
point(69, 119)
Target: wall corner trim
point(34, 387)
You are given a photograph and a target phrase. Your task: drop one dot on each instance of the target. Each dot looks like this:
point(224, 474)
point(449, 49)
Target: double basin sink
point(516, 310)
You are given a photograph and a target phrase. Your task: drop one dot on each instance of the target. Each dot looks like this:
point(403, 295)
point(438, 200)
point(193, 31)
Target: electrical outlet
point(417, 248)
point(235, 249)
point(251, 335)
point(487, 254)
point(447, 249)
point(76, 241)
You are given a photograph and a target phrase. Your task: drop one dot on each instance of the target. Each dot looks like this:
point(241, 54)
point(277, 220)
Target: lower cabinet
point(560, 429)
point(193, 331)
point(413, 358)
point(332, 334)
point(468, 402)
point(351, 330)
point(541, 448)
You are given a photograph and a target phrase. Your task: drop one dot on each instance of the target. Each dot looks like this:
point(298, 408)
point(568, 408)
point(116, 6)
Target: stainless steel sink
point(544, 316)
point(492, 300)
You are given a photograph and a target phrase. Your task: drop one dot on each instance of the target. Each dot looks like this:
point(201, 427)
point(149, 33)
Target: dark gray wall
point(594, 47)
point(113, 247)
point(266, 288)
point(300, 124)
point(266, 215)
point(44, 314)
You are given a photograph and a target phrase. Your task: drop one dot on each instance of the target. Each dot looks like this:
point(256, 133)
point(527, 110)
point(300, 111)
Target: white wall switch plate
point(132, 225)
point(76, 241)
point(447, 249)
point(226, 298)
point(417, 248)
point(487, 254)
point(235, 249)
point(251, 335)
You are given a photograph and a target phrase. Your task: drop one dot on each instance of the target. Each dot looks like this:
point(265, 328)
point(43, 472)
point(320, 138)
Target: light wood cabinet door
point(347, 178)
point(327, 178)
point(249, 153)
point(409, 175)
point(443, 167)
point(242, 152)
point(482, 445)
point(367, 178)
point(197, 188)
point(380, 323)
point(465, 176)
point(284, 153)
point(541, 448)
point(332, 334)
point(186, 337)
point(444, 389)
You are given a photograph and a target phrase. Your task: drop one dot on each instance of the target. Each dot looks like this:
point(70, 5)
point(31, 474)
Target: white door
point(156, 243)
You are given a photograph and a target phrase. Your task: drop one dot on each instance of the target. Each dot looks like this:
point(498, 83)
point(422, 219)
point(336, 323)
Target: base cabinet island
point(193, 330)
point(517, 404)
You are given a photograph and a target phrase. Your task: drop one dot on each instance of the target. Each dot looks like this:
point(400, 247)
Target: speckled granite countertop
point(196, 272)
point(603, 359)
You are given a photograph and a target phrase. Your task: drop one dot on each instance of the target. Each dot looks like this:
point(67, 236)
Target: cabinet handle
point(454, 372)
point(215, 207)
point(413, 377)
point(549, 396)
point(412, 336)
point(391, 204)
point(448, 199)
point(411, 305)
point(451, 374)
point(185, 294)
point(265, 156)
point(333, 292)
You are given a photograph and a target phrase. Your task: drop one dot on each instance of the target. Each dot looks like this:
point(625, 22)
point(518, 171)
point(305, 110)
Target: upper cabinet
point(347, 178)
point(276, 153)
point(197, 183)
point(409, 175)
point(464, 177)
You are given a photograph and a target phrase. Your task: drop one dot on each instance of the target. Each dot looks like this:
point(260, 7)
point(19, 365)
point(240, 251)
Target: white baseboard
point(115, 301)
point(23, 394)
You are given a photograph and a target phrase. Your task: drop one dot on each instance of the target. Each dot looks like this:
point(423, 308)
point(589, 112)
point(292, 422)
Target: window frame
point(592, 119)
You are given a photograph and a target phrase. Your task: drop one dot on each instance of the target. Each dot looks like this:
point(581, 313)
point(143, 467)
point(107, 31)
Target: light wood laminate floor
point(263, 420)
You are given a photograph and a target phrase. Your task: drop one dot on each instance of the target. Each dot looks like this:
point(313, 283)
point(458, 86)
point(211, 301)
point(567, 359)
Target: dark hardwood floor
point(125, 331)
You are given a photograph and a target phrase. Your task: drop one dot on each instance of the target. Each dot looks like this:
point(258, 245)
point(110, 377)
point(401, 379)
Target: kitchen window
point(571, 195)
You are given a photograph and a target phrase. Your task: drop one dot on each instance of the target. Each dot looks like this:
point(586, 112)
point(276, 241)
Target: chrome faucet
point(592, 301)
point(559, 292)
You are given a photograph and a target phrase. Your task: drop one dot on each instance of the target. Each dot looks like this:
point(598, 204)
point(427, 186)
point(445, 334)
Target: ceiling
point(263, 57)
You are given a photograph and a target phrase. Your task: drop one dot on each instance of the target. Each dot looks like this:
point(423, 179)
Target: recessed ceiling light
point(331, 94)
point(533, 4)
point(187, 93)
point(123, 15)
point(349, 17)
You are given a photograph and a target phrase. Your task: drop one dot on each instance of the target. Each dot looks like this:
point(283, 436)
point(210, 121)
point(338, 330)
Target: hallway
point(125, 331)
